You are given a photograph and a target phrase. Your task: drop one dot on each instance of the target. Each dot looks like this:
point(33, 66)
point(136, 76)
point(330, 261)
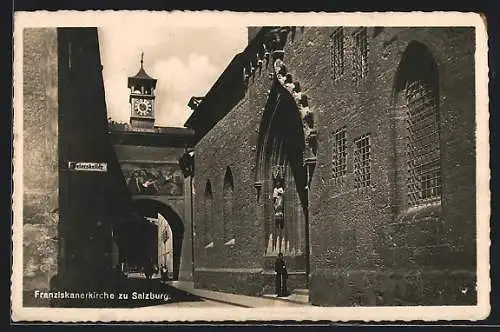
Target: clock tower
point(142, 99)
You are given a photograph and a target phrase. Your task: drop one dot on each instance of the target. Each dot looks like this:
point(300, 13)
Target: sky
point(185, 61)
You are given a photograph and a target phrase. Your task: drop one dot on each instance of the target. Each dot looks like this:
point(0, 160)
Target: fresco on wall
point(156, 179)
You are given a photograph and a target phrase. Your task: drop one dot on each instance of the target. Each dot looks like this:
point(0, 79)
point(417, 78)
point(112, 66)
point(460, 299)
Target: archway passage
point(151, 240)
point(138, 245)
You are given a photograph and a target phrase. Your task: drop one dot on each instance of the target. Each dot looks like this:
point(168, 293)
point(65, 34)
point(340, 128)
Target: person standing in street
point(149, 270)
point(164, 273)
point(281, 276)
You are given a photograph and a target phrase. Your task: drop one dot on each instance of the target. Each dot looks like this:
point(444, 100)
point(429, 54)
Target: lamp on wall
point(186, 163)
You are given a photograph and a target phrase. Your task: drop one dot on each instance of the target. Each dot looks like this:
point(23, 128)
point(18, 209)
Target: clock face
point(143, 107)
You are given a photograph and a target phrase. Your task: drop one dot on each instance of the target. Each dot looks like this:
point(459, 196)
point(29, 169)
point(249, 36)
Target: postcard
point(220, 166)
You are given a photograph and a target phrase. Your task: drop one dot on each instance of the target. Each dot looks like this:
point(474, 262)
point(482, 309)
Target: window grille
point(360, 64)
point(423, 149)
point(362, 162)
point(339, 157)
point(337, 53)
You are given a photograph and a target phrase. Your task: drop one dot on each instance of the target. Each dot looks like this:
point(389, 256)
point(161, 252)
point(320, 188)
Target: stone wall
point(365, 247)
point(363, 236)
point(231, 144)
point(40, 158)
point(187, 266)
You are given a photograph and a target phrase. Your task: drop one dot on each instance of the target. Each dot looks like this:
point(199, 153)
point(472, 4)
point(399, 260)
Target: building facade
point(72, 218)
point(351, 150)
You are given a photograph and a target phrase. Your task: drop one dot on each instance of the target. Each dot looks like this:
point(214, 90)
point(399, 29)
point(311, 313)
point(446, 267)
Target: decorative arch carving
point(263, 140)
point(285, 86)
point(293, 89)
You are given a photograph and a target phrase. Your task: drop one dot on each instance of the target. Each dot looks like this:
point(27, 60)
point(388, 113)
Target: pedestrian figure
point(281, 275)
point(119, 276)
point(164, 273)
point(148, 270)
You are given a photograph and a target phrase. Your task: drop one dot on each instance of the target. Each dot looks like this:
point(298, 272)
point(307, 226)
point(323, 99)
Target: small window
point(228, 210)
point(339, 157)
point(337, 53)
point(362, 162)
point(360, 64)
point(208, 214)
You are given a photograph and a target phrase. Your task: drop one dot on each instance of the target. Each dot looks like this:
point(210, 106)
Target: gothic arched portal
point(281, 178)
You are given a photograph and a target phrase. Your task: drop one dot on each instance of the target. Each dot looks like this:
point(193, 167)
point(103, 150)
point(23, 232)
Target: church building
point(351, 151)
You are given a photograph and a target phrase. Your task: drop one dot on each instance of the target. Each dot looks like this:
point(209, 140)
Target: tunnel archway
point(150, 208)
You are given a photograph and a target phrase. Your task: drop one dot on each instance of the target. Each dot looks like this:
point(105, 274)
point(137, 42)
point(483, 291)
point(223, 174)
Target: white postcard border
point(228, 19)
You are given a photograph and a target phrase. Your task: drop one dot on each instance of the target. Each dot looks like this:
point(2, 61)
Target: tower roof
point(141, 74)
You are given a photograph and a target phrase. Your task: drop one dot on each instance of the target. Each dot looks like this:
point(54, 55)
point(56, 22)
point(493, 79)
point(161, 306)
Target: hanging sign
point(84, 166)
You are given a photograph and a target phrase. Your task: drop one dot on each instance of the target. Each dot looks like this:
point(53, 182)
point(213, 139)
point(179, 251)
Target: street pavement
point(203, 303)
point(177, 297)
point(183, 294)
point(234, 299)
point(135, 291)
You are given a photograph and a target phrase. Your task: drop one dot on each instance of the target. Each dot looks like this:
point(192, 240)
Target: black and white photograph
point(213, 166)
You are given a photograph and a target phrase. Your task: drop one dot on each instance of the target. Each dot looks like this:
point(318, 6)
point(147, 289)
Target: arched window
point(416, 86)
point(207, 214)
point(228, 207)
point(423, 149)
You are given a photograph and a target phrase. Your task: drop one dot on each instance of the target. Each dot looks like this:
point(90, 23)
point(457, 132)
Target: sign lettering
point(83, 166)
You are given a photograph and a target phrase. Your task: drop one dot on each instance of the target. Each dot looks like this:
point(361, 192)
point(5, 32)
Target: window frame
point(339, 153)
point(337, 53)
point(361, 51)
point(423, 148)
point(362, 167)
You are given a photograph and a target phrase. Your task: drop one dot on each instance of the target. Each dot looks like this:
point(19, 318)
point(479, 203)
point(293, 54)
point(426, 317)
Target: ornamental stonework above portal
point(273, 50)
